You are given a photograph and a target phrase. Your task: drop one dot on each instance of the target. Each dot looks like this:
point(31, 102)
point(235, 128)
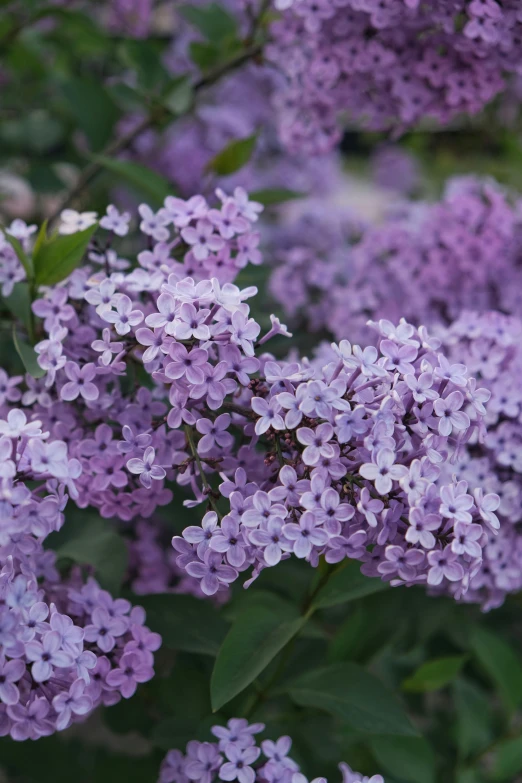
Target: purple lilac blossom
point(352, 461)
point(388, 64)
point(334, 460)
point(238, 755)
point(56, 634)
point(490, 344)
point(426, 262)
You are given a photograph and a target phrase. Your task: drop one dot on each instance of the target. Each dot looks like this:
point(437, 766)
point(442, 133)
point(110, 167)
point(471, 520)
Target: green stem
point(307, 610)
point(279, 451)
point(204, 480)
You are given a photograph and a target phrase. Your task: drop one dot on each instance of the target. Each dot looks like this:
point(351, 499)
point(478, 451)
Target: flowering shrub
point(165, 441)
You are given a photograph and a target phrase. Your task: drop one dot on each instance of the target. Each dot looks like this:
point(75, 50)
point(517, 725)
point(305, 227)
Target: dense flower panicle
point(354, 448)
point(338, 458)
point(491, 345)
point(109, 318)
point(388, 64)
point(426, 262)
point(238, 755)
point(155, 375)
point(65, 646)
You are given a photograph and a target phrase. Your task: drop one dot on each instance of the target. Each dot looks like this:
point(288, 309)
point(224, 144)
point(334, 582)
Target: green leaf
point(246, 600)
point(348, 584)
point(351, 693)
point(19, 303)
point(185, 623)
point(254, 640)
point(187, 684)
point(409, 758)
point(469, 776)
point(145, 59)
point(204, 55)
point(179, 95)
point(216, 24)
point(140, 177)
point(356, 639)
point(436, 674)
point(59, 255)
point(269, 196)
point(41, 238)
point(88, 539)
point(507, 760)
point(234, 156)
point(92, 108)
point(21, 254)
point(501, 663)
point(28, 356)
point(474, 718)
point(79, 29)
point(126, 97)
point(43, 177)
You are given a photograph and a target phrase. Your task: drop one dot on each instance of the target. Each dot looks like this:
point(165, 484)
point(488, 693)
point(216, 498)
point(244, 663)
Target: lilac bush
point(167, 442)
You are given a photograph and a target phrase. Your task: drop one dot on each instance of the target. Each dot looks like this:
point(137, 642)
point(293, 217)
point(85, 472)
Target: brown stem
point(124, 142)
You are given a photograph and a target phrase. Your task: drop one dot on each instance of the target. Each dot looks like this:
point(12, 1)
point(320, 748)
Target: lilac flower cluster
point(152, 563)
point(238, 756)
point(353, 456)
point(388, 63)
point(338, 460)
point(426, 262)
point(491, 345)
point(106, 320)
point(65, 646)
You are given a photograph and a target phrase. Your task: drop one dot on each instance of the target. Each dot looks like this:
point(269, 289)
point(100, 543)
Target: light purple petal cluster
point(354, 450)
point(237, 755)
point(426, 262)
point(113, 315)
point(388, 63)
point(65, 646)
point(491, 346)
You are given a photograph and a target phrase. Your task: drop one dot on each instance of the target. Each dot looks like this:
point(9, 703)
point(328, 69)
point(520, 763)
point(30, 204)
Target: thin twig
point(124, 142)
